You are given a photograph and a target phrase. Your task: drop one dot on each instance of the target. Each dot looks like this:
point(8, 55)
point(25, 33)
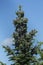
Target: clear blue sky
point(33, 11)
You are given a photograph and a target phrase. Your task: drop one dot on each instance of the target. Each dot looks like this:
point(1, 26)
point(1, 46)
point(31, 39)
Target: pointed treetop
point(20, 13)
point(20, 7)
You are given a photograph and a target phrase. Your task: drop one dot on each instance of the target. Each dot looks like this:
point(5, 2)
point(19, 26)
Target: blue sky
point(33, 11)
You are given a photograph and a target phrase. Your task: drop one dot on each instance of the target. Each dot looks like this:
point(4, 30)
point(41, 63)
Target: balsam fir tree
point(23, 52)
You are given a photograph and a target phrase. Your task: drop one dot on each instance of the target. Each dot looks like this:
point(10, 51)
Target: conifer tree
point(23, 51)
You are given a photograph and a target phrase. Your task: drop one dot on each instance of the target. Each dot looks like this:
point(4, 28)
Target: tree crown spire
point(20, 7)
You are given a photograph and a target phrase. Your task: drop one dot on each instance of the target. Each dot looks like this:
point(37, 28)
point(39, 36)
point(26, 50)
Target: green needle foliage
point(40, 52)
point(24, 52)
point(1, 63)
